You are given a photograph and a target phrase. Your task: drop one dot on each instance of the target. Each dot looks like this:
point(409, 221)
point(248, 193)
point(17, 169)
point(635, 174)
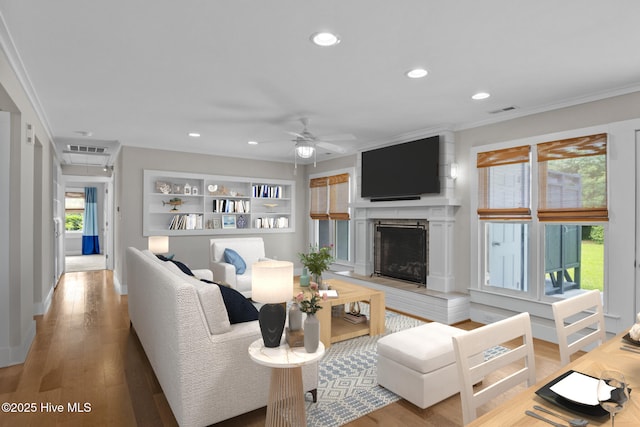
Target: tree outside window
point(73, 210)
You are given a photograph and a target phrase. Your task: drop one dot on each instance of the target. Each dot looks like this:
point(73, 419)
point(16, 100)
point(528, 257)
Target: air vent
point(503, 110)
point(88, 149)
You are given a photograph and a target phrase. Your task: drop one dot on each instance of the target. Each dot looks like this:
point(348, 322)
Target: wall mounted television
point(401, 171)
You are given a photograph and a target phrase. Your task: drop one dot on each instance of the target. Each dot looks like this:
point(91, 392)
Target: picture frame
point(228, 221)
point(216, 223)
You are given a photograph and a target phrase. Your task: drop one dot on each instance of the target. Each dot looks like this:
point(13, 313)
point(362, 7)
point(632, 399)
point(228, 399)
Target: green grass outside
point(592, 265)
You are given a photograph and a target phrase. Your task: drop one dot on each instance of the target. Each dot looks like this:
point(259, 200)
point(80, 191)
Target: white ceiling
point(145, 73)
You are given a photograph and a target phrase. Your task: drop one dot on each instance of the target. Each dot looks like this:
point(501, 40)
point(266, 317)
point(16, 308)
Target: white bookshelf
point(181, 203)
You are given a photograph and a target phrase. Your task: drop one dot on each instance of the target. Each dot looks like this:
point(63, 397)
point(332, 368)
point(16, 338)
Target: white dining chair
point(478, 340)
point(579, 323)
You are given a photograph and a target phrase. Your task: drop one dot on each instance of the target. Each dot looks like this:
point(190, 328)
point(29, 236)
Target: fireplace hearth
point(401, 250)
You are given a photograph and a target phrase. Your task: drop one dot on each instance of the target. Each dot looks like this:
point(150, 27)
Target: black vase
point(271, 319)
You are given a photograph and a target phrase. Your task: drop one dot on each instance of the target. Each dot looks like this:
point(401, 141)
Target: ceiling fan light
point(304, 150)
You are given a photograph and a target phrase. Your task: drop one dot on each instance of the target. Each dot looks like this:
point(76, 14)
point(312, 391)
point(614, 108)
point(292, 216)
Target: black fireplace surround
point(401, 250)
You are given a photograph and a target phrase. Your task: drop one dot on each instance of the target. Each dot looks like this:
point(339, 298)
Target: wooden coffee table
point(336, 329)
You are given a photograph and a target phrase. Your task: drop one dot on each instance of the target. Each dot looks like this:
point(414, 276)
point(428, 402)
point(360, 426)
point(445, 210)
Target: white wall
point(24, 290)
point(4, 231)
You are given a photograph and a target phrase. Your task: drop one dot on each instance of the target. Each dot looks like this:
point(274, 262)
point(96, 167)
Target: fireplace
point(401, 250)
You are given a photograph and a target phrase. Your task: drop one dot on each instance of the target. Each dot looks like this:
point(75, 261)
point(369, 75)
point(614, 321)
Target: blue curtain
point(90, 244)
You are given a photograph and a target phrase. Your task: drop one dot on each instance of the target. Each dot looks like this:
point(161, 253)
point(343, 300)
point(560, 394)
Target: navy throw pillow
point(234, 258)
point(239, 309)
point(182, 266)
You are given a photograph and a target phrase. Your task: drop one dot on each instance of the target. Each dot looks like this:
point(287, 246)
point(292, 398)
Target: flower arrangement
point(312, 304)
point(317, 260)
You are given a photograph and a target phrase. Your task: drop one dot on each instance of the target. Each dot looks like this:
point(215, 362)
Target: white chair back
point(476, 341)
point(579, 323)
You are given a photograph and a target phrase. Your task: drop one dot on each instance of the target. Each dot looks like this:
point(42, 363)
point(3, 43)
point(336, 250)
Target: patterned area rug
point(347, 383)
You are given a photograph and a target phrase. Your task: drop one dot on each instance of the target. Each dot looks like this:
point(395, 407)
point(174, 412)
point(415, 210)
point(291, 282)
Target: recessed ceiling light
point(417, 73)
point(194, 134)
point(480, 95)
point(252, 142)
point(325, 39)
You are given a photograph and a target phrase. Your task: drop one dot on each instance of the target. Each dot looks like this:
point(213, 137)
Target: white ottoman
point(419, 363)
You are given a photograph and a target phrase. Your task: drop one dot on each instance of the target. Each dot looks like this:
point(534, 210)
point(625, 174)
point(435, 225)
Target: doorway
point(74, 259)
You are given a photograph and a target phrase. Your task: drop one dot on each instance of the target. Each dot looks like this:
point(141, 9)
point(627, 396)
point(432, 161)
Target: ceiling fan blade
point(338, 137)
point(297, 135)
point(331, 147)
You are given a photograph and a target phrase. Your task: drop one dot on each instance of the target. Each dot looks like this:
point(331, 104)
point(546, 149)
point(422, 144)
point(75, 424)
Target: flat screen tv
point(401, 171)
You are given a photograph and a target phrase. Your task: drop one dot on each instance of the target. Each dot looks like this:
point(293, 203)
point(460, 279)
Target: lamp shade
point(159, 244)
point(272, 281)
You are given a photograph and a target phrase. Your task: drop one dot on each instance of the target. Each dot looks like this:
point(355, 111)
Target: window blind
point(504, 183)
point(572, 179)
point(339, 196)
point(318, 188)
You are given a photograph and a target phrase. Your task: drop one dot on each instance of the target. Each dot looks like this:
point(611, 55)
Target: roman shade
point(572, 179)
point(330, 197)
point(339, 196)
point(504, 183)
point(318, 189)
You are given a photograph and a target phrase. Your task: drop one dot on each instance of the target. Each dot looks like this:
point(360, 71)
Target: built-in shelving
point(180, 203)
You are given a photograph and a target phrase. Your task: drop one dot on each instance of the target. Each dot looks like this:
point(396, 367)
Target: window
point(330, 197)
point(571, 212)
point(572, 189)
point(504, 207)
point(73, 210)
point(506, 256)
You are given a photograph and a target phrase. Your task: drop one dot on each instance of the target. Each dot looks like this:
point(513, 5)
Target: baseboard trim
point(119, 287)
point(15, 355)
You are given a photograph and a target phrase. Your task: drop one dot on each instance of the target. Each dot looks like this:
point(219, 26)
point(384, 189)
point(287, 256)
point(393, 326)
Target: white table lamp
point(159, 244)
point(272, 284)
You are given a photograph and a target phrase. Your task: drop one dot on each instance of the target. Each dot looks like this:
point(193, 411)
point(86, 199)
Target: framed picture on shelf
point(228, 221)
point(217, 223)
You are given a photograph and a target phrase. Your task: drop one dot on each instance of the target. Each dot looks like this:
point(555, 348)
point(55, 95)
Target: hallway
point(76, 263)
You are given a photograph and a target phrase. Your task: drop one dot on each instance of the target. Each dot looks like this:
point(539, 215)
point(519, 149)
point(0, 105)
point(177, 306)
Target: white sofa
point(251, 249)
point(200, 359)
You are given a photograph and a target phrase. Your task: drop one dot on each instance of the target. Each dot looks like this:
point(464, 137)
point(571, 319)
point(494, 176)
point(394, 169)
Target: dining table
point(617, 353)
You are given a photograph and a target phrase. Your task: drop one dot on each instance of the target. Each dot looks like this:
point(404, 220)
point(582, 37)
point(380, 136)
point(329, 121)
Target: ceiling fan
point(306, 143)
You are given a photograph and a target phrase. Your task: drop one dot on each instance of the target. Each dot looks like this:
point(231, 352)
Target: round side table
point(285, 406)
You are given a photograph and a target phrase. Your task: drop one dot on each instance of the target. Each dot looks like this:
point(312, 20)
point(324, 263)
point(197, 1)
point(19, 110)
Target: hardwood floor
point(85, 353)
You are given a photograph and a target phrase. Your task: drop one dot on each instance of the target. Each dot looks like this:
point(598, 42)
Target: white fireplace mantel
point(438, 211)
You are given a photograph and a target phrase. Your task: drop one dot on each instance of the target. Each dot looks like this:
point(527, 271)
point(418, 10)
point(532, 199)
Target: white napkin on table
point(579, 388)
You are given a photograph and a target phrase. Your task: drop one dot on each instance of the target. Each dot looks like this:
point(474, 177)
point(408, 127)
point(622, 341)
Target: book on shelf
point(267, 222)
point(267, 191)
point(186, 222)
point(231, 206)
point(355, 318)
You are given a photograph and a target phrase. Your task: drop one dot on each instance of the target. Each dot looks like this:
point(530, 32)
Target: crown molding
point(13, 56)
point(596, 96)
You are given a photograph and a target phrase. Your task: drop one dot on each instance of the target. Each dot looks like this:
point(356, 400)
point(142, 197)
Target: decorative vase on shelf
point(304, 277)
point(295, 317)
point(311, 333)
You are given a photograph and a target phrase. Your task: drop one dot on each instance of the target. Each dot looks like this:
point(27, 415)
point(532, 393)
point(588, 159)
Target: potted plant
point(317, 261)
